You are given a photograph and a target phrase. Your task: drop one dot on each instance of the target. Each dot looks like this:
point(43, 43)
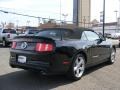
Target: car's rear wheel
point(77, 68)
point(112, 56)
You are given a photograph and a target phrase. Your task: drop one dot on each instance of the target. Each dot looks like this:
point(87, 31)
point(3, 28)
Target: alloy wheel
point(79, 67)
point(113, 56)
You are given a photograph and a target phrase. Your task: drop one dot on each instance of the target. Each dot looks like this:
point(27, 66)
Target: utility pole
point(60, 11)
point(84, 21)
point(116, 12)
point(77, 21)
point(103, 17)
point(39, 20)
point(17, 21)
point(65, 16)
point(119, 8)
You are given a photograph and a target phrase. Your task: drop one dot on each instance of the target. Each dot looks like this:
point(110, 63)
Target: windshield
point(9, 31)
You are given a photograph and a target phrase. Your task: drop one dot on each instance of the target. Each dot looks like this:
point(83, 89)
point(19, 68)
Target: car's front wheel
point(119, 45)
point(112, 56)
point(77, 68)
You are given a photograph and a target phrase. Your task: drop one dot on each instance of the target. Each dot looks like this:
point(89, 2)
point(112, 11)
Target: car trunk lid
point(33, 43)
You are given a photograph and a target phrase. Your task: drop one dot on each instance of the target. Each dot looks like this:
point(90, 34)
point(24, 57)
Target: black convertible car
point(61, 50)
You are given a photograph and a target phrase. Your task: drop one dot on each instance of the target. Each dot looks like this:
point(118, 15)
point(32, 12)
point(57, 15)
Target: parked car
point(115, 42)
point(6, 36)
point(115, 35)
point(61, 51)
point(107, 35)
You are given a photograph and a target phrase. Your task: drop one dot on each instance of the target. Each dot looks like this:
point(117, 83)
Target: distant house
point(10, 25)
point(94, 22)
point(54, 25)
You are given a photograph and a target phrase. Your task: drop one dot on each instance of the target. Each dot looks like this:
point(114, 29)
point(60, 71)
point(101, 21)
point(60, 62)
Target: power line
point(30, 10)
point(19, 14)
point(39, 18)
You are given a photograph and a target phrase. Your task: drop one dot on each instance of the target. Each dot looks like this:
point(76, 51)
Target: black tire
point(112, 56)
point(77, 68)
point(119, 45)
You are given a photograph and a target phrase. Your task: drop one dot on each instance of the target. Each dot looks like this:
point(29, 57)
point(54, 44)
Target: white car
point(7, 35)
point(115, 35)
point(115, 42)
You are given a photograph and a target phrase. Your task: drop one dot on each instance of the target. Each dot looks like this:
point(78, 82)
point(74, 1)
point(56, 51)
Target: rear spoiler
point(33, 37)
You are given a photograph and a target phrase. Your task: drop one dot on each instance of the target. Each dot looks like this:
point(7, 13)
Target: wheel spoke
point(81, 68)
point(75, 68)
point(113, 56)
point(79, 62)
point(77, 73)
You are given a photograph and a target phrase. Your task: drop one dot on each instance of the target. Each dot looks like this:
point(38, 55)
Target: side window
point(83, 37)
point(70, 34)
point(91, 36)
point(66, 34)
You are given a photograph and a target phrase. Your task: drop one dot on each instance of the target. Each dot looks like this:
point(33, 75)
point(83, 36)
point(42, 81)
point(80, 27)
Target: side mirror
point(17, 34)
point(101, 40)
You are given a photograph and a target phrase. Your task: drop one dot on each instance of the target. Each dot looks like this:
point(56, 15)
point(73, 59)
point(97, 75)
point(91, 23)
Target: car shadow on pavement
point(24, 80)
point(94, 68)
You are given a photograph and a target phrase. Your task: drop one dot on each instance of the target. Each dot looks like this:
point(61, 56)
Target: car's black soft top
point(79, 28)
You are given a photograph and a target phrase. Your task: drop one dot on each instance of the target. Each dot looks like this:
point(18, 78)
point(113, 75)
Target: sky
point(51, 9)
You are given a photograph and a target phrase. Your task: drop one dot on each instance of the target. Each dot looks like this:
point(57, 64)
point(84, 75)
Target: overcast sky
point(51, 9)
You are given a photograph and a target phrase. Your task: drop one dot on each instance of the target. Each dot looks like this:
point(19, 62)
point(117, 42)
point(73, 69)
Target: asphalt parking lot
point(101, 77)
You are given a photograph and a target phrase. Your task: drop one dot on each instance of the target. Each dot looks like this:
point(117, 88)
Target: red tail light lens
point(13, 45)
point(8, 36)
point(44, 47)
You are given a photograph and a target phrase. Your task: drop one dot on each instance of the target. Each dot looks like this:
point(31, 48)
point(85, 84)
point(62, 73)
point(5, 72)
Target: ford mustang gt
point(61, 51)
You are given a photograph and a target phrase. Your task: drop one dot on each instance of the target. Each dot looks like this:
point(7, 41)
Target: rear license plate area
point(22, 59)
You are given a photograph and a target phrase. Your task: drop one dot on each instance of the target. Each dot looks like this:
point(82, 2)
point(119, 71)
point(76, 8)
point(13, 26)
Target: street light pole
point(65, 16)
point(116, 12)
point(103, 17)
point(60, 10)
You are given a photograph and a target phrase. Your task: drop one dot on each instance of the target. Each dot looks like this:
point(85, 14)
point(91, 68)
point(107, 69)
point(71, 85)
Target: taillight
point(13, 45)
point(44, 47)
point(8, 36)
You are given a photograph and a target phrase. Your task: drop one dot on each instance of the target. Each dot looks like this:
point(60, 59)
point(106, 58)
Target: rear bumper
point(31, 65)
point(47, 63)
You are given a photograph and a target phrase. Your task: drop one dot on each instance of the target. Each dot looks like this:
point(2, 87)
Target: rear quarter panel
point(71, 47)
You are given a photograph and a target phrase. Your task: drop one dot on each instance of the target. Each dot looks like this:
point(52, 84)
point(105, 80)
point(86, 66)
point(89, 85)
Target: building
point(10, 25)
point(82, 12)
point(54, 25)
